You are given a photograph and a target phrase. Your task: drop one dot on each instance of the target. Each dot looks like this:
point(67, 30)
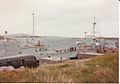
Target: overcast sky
point(69, 18)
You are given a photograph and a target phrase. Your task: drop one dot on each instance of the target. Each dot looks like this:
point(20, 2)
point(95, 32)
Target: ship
point(98, 46)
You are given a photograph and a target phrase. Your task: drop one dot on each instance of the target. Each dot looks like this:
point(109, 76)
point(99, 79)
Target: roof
point(14, 56)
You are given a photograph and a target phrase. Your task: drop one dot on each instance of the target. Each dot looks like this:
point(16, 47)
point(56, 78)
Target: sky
point(67, 18)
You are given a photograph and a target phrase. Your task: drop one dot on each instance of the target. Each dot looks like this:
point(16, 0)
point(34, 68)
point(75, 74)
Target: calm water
point(51, 43)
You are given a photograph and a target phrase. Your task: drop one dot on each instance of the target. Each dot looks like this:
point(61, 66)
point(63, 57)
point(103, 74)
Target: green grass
point(102, 69)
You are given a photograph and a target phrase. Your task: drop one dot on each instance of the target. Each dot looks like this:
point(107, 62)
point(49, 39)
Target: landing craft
point(19, 60)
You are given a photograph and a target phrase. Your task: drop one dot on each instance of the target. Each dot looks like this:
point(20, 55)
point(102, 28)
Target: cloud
point(59, 16)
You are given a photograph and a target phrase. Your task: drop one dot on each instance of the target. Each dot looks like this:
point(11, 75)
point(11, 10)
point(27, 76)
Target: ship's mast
point(94, 31)
point(33, 26)
point(94, 28)
point(85, 35)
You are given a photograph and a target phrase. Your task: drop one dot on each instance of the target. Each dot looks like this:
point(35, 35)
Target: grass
point(106, 68)
point(102, 69)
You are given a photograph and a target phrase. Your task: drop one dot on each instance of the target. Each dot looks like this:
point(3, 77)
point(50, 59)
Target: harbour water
point(20, 46)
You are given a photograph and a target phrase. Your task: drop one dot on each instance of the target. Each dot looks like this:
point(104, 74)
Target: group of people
point(72, 49)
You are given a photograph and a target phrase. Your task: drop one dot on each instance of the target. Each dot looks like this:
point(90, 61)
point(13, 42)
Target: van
point(19, 60)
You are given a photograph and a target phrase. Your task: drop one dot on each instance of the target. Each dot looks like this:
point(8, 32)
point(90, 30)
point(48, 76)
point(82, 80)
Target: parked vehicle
point(19, 60)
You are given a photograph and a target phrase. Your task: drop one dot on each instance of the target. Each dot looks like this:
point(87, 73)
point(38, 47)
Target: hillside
point(102, 69)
